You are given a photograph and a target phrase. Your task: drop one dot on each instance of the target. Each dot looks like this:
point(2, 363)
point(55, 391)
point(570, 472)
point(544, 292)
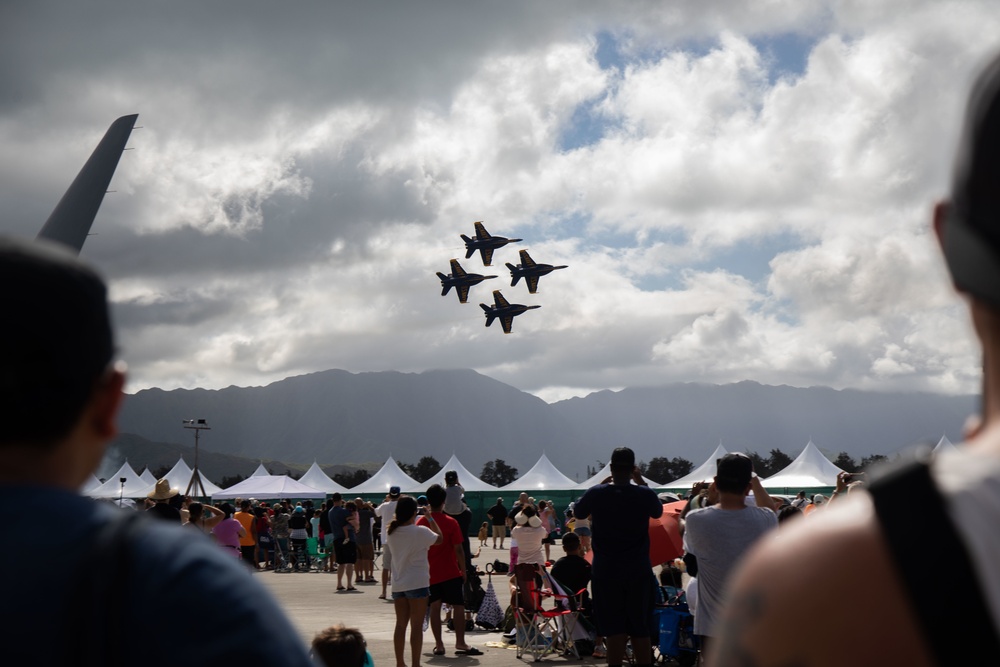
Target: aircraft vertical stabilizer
point(72, 217)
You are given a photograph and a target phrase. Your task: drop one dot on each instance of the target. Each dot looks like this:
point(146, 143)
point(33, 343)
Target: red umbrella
point(665, 542)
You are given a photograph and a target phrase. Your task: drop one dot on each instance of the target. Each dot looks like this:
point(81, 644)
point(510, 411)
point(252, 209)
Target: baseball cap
point(734, 467)
point(393, 491)
point(971, 234)
point(622, 457)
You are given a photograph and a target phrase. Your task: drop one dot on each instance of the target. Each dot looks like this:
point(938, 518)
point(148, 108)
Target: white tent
point(944, 445)
point(468, 481)
point(148, 477)
point(134, 486)
point(316, 478)
point(390, 474)
point(603, 474)
point(270, 487)
point(543, 476)
point(809, 469)
point(180, 476)
point(261, 471)
point(703, 473)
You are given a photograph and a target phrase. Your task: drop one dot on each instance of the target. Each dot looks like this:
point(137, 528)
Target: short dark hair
point(56, 342)
point(436, 495)
point(336, 497)
point(622, 458)
point(338, 646)
point(571, 541)
point(733, 473)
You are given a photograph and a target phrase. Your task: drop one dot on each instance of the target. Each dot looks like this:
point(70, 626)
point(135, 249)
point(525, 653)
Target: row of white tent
point(811, 469)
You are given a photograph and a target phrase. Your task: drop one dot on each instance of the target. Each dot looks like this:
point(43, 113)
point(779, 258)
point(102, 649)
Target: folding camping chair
point(542, 630)
point(317, 554)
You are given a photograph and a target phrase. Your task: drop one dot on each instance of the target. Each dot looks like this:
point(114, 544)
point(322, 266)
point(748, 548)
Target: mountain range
point(359, 419)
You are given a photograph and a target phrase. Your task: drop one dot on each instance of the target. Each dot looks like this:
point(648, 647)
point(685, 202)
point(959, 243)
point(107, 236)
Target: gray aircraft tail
point(73, 216)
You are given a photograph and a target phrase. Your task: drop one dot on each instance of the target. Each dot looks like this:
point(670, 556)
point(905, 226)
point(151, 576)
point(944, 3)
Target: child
point(483, 532)
point(338, 646)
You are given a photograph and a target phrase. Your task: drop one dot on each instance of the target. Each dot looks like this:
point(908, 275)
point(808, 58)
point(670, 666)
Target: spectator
point(229, 531)
point(248, 541)
point(197, 518)
point(720, 535)
point(878, 542)
point(409, 544)
point(161, 496)
point(60, 392)
point(279, 528)
point(385, 513)
point(447, 573)
point(297, 538)
point(623, 582)
point(573, 572)
point(338, 646)
point(498, 517)
point(366, 550)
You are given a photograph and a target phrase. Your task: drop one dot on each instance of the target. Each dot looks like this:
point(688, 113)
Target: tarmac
point(312, 603)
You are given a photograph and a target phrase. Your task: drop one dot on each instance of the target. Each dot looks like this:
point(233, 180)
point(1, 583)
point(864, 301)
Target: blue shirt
point(177, 574)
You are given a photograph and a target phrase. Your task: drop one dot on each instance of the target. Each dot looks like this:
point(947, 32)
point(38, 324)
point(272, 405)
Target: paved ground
point(313, 603)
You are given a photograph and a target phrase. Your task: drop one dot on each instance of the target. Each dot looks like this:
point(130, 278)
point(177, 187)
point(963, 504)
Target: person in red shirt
point(447, 567)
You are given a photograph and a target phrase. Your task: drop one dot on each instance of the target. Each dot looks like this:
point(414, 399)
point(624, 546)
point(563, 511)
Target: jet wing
point(456, 268)
point(481, 232)
point(499, 300)
point(506, 321)
point(487, 255)
point(532, 283)
point(526, 258)
point(463, 293)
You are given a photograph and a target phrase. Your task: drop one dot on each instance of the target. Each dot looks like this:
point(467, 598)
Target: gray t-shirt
point(365, 517)
point(719, 538)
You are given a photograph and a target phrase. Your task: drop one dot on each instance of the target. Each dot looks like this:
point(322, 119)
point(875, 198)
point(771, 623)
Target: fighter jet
point(484, 243)
point(72, 217)
point(505, 311)
point(530, 271)
point(460, 280)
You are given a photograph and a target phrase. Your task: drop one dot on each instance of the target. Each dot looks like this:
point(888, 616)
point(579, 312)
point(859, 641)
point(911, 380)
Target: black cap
point(393, 491)
point(972, 229)
point(735, 468)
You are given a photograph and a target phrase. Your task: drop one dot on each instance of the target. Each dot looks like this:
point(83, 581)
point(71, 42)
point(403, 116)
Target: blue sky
point(740, 194)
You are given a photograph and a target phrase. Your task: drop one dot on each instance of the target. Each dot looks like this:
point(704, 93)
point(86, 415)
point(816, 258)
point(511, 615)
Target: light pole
point(121, 492)
point(197, 425)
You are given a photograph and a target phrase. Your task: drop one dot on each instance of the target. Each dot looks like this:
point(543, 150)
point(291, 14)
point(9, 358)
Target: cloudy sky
point(738, 194)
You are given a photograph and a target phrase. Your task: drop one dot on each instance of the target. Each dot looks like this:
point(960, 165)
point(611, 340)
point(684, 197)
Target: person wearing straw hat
point(162, 493)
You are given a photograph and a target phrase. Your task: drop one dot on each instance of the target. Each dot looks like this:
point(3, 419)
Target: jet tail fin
point(489, 314)
point(73, 216)
point(513, 276)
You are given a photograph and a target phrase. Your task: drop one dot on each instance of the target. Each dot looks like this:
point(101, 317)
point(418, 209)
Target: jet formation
point(461, 280)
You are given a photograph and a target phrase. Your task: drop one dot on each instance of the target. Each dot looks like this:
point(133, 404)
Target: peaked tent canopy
point(180, 476)
point(703, 473)
point(468, 481)
point(390, 474)
point(543, 476)
point(316, 478)
point(944, 445)
point(148, 477)
point(261, 471)
point(91, 484)
point(270, 487)
point(134, 486)
point(809, 470)
point(602, 475)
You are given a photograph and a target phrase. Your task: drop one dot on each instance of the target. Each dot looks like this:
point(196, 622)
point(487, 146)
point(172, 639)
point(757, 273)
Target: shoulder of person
point(820, 565)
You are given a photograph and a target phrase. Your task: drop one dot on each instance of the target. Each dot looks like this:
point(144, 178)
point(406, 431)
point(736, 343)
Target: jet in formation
point(504, 311)
point(460, 280)
point(73, 216)
point(530, 271)
point(484, 243)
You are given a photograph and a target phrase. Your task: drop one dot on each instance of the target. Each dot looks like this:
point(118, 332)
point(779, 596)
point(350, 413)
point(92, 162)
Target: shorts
point(624, 606)
point(583, 531)
point(366, 551)
point(328, 540)
point(449, 591)
point(386, 557)
point(346, 554)
point(551, 538)
point(412, 594)
point(499, 531)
